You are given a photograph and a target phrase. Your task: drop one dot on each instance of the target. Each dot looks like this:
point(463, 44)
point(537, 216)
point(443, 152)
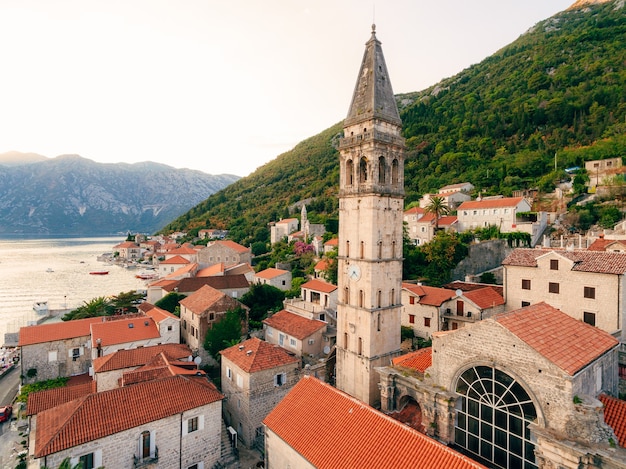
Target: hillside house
point(296, 334)
point(128, 250)
point(278, 278)
point(170, 422)
point(331, 245)
point(599, 170)
point(255, 377)
point(586, 285)
point(452, 199)
point(172, 264)
point(234, 286)
point(283, 228)
point(422, 308)
point(117, 334)
point(167, 324)
point(465, 187)
point(226, 251)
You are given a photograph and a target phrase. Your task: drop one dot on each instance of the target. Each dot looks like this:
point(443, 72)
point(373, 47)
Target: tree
point(442, 253)
point(224, 333)
point(126, 302)
point(171, 302)
point(100, 306)
point(438, 207)
point(331, 272)
point(262, 298)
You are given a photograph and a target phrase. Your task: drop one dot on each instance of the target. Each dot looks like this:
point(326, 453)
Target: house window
point(75, 354)
point(292, 342)
point(192, 425)
point(145, 445)
point(345, 340)
point(240, 381)
point(360, 350)
point(622, 371)
point(589, 292)
point(589, 318)
point(455, 326)
point(229, 373)
point(86, 461)
point(52, 356)
point(553, 287)
point(525, 284)
point(280, 379)
point(311, 341)
point(411, 300)
point(525, 303)
point(169, 328)
point(460, 308)
point(411, 318)
point(281, 339)
point(211, 316)
point(554, 264)
point(426, 322)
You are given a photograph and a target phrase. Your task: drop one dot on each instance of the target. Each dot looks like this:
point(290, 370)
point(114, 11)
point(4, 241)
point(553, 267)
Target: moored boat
point(99, 272)
point(41, 308)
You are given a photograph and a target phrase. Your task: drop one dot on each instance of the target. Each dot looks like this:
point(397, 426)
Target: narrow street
point(9, 435)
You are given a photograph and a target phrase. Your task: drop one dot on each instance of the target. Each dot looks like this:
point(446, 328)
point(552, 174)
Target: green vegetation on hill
point(559, 89)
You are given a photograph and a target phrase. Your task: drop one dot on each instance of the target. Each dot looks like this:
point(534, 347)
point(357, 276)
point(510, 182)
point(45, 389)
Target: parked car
point(5, 413)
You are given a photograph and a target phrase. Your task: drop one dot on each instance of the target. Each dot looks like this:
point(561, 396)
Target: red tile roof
point(332, 242)
point(431, 296)
point(418, 360)
point(601, 244)
point(568, 343)
point(176, 260)
point(271, 273)
point(615, 416)
point(322, 264)
point(126, 245)
point(139, 356)
point(485, 297)
point(105, 413)
point(353, 434)
point(41, 333)
point(160, 366)
point(222, 282)
point(232, 245)
point(319, 285)
point(208, 298)
point(286, 220)
point(490, 203)
point(294, 325)
point(49, 398)
point(413, 210)
point(469, 286)
point(157, 313)
point(215, 269)
point(584, 261)
point(185, 249)
point(123, 331)
point(257, 355)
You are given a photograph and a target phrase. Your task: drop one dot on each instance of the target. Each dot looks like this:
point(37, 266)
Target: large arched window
point(349, 172)
point(395, 172)
point(382, 169)
point(492, 418)
point(363, 170)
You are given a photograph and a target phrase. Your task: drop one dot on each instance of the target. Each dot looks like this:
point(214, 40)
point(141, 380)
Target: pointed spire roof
point(373, 96)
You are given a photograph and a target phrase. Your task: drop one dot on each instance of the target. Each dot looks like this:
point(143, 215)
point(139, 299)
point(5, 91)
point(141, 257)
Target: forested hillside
point(558, 90)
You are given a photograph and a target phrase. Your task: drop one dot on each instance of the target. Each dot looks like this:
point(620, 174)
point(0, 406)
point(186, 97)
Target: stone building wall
point(174, 448)
point(280, 454)
point(41, 357)
point(483, 256)
point(216, 253)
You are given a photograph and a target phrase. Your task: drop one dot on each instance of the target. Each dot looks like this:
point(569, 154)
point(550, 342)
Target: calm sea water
point(55, 270)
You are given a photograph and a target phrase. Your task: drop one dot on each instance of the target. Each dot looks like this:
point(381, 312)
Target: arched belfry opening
point(382, 170)
point(363, 170)
point(492, 417)
point(349, 172)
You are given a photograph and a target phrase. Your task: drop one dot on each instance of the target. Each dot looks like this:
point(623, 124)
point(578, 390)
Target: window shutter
point(185, 426)
point(70, 353)
point(81, 353)
point(97, 458)
point(201, 422)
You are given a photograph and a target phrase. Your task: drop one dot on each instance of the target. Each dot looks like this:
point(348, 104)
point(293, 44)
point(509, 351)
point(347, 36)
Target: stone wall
point(41, 357)
point(483, 256)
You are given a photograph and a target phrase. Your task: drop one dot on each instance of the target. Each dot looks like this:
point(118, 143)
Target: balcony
point(150, 461)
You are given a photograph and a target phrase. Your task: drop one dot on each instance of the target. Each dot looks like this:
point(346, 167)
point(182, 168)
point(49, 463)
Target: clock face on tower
point(354, 272)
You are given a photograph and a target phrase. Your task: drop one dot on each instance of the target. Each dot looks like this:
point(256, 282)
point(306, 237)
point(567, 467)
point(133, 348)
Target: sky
point(221, 86)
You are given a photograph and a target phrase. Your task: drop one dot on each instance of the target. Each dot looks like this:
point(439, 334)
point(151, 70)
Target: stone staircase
point(228, 455)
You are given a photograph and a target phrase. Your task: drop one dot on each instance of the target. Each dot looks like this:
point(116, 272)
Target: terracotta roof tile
point(419, 360)
point(293, 324)
point(232, 245)
point(490, 203)
point(257, 355)
point(105, 413)
point(271, 273)
point(584, 261)
point(41, 333)
point(49, 398)
point(123, 331)
point(176, 260)
point(208, 298)
point(431, 296)
point(222, 282)
point(185, 249)
point(319, 285)
point(332, 242)
point(469, 286)
point(160, 366)
point(615, 416)
point(286, 220)
point(416, 209)
point(139, 356)
point(566, 342)
point(485, 297)
point(158, 314)
point(322, 264)
point(215, 269)
point(354, 434)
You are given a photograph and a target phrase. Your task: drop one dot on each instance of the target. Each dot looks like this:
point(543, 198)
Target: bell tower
point(371, 204)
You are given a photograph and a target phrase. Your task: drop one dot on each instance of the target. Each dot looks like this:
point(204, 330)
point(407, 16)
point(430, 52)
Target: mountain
point(557, 92)
point(71, 195)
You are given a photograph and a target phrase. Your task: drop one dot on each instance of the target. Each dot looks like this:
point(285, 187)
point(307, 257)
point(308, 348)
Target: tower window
point(363, 170)
point(393, 249)
point(379, 295)
point(381, 170)
point(392, 297)
point(362, 250)
point(361, 298)
point(347, 248)
point(349, 172)
point(346, 295)
point(345, 340)
point(394, 172)
point(360, 351)
point(380, 249)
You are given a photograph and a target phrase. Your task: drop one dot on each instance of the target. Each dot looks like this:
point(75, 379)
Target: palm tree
point(438, 208)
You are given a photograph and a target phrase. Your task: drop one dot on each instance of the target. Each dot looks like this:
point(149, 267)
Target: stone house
point(186, 251)
point(199, 311)
point(170, 422)
point(586, 285)
point(255, 377)
point(465, 187)
point(116, 333)
point(470, 306)
point(283, 228)
point(278, 278)
point(55, 349)
point(517, 390)
point(128, 250)
point(598, 170)
point(234, 286)
point(171, 265)
point(422, 308)
point(452, 199)
point(108, 369)
point(331, 245)
point(296, 334)
point(498, 211)
point(609, 245)
point(318, 426)
point(226, 251)
point(167, 324)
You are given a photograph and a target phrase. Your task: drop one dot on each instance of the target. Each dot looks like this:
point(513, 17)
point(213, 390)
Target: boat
point(99, 272)
point(147, 275)
point(49, 269)
point(41, 308)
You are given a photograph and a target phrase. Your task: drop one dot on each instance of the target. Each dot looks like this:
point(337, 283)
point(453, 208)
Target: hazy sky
point(221, 86)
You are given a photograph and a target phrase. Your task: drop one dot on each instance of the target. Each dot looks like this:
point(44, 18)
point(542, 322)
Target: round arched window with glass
point(492, 417)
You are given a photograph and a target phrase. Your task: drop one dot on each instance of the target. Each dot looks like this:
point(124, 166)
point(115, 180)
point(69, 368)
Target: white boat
point(41, 308)
point(147, 275)
point(49, 269)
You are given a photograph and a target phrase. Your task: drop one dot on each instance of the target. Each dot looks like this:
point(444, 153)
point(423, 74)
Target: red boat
point(99, 272)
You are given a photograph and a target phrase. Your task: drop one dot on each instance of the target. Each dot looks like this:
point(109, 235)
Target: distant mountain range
point(70, 195)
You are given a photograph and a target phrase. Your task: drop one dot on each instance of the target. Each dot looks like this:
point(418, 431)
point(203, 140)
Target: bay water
point(56, 270)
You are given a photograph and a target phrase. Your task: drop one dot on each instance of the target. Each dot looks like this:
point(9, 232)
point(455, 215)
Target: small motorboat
point(99, 272)
point(49, 269)
point(41, 308)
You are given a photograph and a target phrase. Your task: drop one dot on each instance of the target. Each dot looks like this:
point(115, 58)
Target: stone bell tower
point(371, 206)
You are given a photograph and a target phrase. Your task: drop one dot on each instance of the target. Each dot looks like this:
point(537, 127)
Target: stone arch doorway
point(410, 413)
point(492, 417)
